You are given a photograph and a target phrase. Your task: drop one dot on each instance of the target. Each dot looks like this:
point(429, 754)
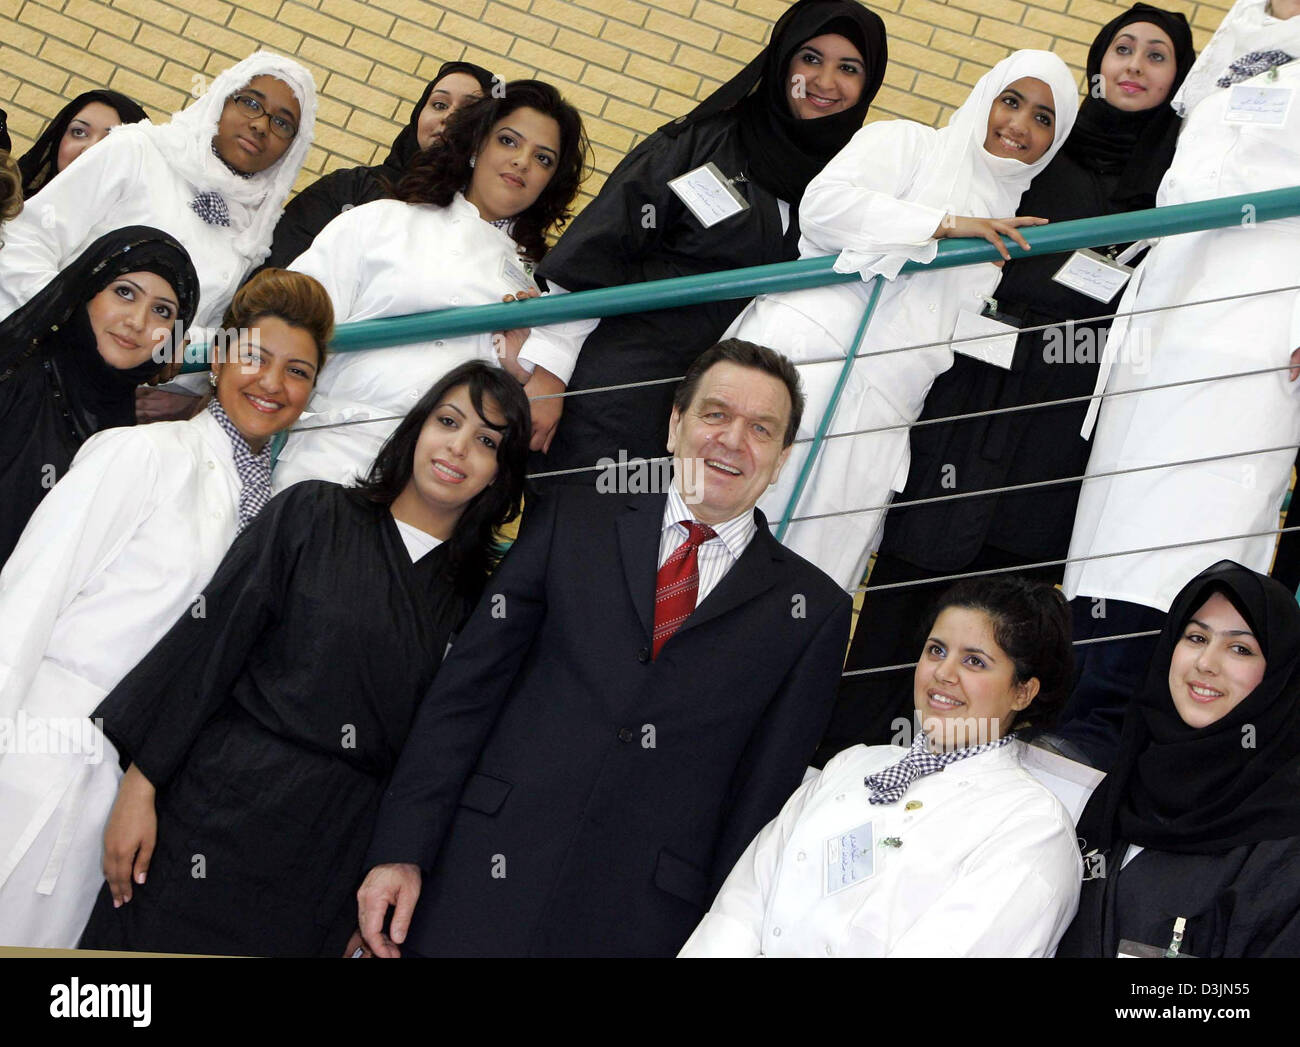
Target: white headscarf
point(1246, 28)
point(185, 143)
point(964, 178)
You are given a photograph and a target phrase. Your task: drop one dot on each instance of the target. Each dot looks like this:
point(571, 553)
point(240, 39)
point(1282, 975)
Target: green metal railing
point(1246, 209)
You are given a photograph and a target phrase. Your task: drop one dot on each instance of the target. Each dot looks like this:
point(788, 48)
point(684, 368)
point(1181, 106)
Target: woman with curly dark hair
point(469, 223)
point(261, 733)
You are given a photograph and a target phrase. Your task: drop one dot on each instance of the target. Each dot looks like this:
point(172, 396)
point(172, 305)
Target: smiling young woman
point(113, 555)
point(880, 855)
point(1199, 816)
point(268, 728)
point(72, 358)
point(469, 221)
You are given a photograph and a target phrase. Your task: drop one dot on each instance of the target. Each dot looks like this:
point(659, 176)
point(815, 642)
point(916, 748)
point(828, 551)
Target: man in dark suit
point(637, 693)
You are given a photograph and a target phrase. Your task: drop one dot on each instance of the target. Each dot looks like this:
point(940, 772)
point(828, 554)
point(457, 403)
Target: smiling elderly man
point(636, 695)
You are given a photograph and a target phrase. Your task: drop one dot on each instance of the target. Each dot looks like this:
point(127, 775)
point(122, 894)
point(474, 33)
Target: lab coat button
point(829, 952)
point(801, 856)
point(439, 344)
point(840, 797)
point(776, 932)
point(455, 299)
point(626, 734)
point(933, 307)
point(212, 465)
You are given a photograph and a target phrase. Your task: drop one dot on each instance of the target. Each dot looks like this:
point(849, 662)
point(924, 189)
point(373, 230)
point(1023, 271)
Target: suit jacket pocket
point(681, 879)
point(484, 794)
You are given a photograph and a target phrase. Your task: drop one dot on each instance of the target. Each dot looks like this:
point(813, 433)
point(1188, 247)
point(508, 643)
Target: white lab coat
point(113, 556)
point(122, 181)
point(984, 864)
point(854, 204)
point(1211, 500)
point(389, 258)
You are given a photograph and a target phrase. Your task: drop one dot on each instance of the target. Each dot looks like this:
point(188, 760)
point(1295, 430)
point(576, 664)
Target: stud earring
point(473, 160)
point(212, 379)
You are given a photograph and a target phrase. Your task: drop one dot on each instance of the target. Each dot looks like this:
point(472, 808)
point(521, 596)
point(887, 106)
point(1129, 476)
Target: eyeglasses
point(280, 127)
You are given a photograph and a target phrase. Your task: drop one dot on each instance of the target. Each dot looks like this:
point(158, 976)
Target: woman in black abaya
point(57, 384)
point(456, 84)
point(1199, 817)
point(262, 733)
point(765, 131)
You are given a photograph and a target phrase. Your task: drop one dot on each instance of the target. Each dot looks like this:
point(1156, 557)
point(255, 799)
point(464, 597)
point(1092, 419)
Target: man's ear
point(673, 420)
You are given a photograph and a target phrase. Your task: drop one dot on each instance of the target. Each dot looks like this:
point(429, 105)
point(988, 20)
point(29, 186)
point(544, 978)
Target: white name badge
point(991, 340)
point(1093, 274)
point(1248, 104)
point(515, 276)
point(708, 194)
point(850, 858)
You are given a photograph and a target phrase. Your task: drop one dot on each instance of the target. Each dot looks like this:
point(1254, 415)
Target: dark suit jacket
point(567, 795)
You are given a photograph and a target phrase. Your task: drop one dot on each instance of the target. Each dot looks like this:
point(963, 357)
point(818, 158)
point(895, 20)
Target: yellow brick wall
point(629, 65)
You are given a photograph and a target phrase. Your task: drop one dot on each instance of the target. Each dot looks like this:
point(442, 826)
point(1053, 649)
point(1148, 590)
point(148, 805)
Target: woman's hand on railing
point(546, 413)
point(990, 229)
point(508, 343)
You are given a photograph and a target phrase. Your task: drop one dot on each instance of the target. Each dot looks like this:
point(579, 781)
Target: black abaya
point(269, 726)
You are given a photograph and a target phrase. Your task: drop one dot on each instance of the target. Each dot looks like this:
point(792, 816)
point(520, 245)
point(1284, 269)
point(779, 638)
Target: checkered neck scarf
point(210, 205)
point(889, 785)
point(1252, 64)
point(254, 470)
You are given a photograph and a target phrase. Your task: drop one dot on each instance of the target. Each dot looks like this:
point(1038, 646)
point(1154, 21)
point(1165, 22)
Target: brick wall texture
point(629, 65)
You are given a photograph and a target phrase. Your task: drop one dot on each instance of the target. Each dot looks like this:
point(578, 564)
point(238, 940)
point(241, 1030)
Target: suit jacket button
point(626, 734)
point(643, 655)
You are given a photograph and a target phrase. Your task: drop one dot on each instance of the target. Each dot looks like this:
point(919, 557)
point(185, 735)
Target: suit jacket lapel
point(750, 576)
point(639, 529)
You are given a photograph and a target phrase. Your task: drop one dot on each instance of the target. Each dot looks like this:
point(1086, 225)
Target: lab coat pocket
point(681, 879)
point(484, 794)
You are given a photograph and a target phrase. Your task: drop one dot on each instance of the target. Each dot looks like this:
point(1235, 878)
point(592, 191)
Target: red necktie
point(678, 583)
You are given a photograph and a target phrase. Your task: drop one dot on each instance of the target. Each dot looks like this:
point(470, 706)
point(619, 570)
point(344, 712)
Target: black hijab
point(1206, 790)
point(784, 152)
point(5, 142)
point(54, 326)
point(38, 164)
point(407, 144)
point(1139, 147)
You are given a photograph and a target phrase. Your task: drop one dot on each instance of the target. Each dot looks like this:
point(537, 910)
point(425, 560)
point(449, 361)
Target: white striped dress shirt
point(717, 555)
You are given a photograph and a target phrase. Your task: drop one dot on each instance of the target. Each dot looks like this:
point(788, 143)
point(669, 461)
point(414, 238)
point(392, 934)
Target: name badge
point(850, 858)
point(1248, 104)
point(709, 195)
point(990, 340)
point(515, 276)
point(1093, 274)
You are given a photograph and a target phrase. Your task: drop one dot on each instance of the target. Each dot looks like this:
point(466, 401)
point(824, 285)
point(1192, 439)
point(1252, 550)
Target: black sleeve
point(627, 219)
point(155, 712)
point(311, 211)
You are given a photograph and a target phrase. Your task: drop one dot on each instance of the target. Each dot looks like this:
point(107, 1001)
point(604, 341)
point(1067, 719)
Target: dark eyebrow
point(1226, 632)
point(1151, 41)
point(268, 351)
point(452, 406)
point(160, 297)
point(523, 138)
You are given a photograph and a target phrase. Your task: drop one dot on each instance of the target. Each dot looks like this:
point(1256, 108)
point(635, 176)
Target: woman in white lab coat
point(469, 222)
point(886, 199)
point(116, 552)
point(1210, 504)
point(947, 848)
point(215, 177)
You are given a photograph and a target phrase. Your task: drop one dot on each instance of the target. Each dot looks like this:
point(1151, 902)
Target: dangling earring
point(473, 160)
point(212, 379)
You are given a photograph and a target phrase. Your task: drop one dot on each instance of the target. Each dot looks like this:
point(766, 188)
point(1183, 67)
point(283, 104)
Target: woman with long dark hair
point(80, 124)
point(767, 132)
point(455, 86)
point(1193, 838)
point(469, 222)
point(260, 735)
point(72, 358)
point(114, 554)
